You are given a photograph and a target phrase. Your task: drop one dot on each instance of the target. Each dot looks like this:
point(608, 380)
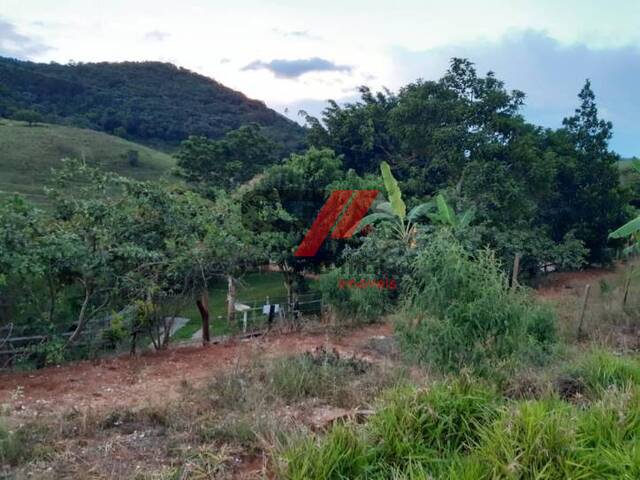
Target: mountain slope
point(149, 102)
point(27, 155)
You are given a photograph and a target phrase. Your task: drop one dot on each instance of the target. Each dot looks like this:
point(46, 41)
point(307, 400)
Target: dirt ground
point(157, 376)
point(124, 380)
point(562, 284)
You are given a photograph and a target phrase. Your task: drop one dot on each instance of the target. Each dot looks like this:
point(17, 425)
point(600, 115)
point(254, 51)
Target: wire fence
point(23, 344)
point(253, 316)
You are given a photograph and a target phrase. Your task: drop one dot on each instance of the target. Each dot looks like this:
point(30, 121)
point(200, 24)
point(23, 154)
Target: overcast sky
point(295, 54)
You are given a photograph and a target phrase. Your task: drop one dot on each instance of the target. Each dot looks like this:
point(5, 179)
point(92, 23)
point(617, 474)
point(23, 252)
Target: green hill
point(157, 104)
point(27, 155)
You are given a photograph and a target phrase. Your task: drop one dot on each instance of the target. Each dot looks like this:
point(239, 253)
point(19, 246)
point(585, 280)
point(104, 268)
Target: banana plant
point(394, 210)
point(631, 229)
point(446, 216)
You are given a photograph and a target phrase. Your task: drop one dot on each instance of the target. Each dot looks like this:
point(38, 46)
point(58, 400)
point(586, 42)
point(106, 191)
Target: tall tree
point(590, 200)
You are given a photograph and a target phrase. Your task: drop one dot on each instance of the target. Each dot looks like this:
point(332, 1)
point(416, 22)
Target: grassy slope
point(27, 155)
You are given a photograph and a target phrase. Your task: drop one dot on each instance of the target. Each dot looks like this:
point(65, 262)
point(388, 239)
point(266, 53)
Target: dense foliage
point(150, 102)
point(537, 192)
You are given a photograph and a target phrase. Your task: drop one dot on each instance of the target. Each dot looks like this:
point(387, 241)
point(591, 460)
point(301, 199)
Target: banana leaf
point(393, 191)
point(627, 229)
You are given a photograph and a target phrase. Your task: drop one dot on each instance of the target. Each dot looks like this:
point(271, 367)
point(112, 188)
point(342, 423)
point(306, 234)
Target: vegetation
point(461, 430)
point(149, 102)
point(29, 154)
point(477, 205)
point(463, 314)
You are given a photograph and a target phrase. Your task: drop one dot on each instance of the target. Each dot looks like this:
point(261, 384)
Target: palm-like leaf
point(373, 218)
point(393, 191)
point(385, 207)
point(418, 210)
point(466, 218)
point(445, 212)
point(627, 229)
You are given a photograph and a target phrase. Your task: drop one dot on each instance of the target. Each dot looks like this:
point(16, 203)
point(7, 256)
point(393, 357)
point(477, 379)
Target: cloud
point(157, 35)
point(17, 45)
point(297, 68)
point(551, 74)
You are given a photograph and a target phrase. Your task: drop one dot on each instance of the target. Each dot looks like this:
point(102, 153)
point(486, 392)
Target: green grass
point(600, 370)
point(461, 431)
point(254, 288)
point(29, 153)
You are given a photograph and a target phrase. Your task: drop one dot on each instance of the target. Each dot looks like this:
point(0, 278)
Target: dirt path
point(157, 376)
point(562, 284)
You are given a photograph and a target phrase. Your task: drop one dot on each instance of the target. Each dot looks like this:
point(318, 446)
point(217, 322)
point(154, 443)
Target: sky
point(296, 54)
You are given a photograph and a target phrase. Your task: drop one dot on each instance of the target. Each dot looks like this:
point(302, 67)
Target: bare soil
point(157, 376)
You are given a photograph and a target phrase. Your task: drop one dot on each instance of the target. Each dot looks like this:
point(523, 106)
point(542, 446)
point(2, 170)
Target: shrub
point(359, 303)
point(322, 374)
point(466, 315)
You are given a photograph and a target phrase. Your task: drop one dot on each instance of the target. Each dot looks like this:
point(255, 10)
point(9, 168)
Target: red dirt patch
point(157, 376)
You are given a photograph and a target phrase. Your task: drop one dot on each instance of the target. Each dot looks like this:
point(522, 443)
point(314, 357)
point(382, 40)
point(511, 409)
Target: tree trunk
point(203, 307)
point(231, 299)
point(82, 316)
point(134, 337)
point(167, 331)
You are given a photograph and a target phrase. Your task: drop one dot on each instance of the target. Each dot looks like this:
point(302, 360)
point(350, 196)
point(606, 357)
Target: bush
point(364, 300)
point(464, 315)
point(341, 454)
point(30, 116)
point(463, 431)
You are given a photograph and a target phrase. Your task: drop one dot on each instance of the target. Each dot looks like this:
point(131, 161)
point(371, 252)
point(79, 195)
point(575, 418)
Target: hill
point(154, 103)
point(29, 153)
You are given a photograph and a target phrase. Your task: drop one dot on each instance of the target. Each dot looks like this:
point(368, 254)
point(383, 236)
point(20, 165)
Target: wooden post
point(203, 307)
point(583, 309)
point(627, 285)
point(516, 270)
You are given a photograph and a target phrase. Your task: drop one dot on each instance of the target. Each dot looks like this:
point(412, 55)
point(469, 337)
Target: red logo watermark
point(329, 214)
point(381, 283)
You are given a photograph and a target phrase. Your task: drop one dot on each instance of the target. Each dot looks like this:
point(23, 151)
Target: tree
point(30, 116)
point(590, 201)
point(228, 162)
point(281, 206)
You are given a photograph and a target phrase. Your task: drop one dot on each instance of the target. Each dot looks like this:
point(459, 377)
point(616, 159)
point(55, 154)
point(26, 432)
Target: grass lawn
point(254, 288)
